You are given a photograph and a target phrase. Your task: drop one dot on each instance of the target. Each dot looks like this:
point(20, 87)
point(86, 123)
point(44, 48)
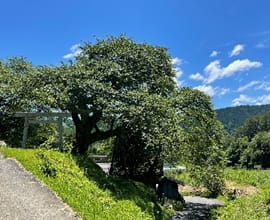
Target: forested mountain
point(234, 117)
point(249, 146)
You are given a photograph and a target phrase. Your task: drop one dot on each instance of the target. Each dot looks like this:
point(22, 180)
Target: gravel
point(23, 197)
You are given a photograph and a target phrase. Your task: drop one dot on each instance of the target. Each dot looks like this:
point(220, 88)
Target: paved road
point(197, 208)
point(23, 197)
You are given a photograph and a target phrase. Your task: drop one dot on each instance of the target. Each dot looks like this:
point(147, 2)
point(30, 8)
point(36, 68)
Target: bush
point(46, 165)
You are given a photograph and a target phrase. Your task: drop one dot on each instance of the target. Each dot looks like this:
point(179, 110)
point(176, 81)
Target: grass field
point(87, 189)
point(255, 206)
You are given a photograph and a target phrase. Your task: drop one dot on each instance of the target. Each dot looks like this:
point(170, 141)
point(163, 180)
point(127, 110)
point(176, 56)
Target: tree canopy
point(126, 90)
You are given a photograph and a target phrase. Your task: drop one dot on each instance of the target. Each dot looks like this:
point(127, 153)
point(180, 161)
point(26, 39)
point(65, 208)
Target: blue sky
point(221, 47)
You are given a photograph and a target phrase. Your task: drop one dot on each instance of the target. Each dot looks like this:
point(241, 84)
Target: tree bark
point(87, 133)
point(82, 135)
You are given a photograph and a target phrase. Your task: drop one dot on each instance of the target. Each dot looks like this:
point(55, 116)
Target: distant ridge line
point(234, 117)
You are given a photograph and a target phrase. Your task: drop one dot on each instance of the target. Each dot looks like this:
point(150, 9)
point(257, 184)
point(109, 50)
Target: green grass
point(251, 177)
point(252, 207)
point(86, 188)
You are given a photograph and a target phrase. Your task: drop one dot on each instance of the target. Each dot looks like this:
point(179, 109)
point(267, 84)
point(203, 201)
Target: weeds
point(254, 206)
point(46, 165)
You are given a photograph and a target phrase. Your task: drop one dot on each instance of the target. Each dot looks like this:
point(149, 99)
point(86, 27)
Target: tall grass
point(252, 207)
point(251, 177)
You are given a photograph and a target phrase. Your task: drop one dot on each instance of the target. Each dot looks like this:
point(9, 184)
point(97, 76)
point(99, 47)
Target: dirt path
point(23, 197)
point(197, 208)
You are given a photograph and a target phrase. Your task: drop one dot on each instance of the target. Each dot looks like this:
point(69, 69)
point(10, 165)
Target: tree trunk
point(87, 133)
point(83, 130)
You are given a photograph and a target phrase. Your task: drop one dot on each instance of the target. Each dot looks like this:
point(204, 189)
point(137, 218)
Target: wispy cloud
point(263, 39)
point(75, 50)
point(247, 86)
point(265, 43)
point(212, 91)
point(197, 77)
point(247, 100)
point(177, 62)
point(223, 91)
point(180, 83)
point(214, 53)
point(178, 72)
point(243, 100)
point(264, 86)
point(262, 33)
point(207, 89)
point(237, 50)
point(215, 71)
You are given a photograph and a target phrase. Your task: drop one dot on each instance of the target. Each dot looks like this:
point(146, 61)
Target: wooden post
point(25, 131)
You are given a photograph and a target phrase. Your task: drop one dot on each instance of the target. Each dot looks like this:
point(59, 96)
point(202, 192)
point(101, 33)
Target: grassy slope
point(252, 207)
point(86, 188)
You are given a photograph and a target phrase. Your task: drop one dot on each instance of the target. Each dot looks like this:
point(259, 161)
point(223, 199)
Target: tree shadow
point(120, 188)
point(195, 211)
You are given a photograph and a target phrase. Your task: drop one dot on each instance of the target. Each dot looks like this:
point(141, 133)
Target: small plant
point(46, 165)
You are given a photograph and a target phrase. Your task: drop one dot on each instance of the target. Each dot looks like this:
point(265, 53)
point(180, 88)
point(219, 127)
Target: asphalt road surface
point(197, 208)
point(23, 197)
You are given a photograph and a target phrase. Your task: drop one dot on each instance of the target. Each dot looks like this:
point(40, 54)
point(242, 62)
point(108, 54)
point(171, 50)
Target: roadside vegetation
point(243, 202)
point(246, 193)
point(87, 189)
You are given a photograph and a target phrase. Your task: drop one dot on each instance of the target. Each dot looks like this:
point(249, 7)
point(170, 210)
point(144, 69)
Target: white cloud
point(264, 86)
point(223, 91)
point(214, 53)
point(196, 76)
point(75, 51)
point(179, 83)
point(262, 100)
point(237, 50)
point(177, 61)
point(247, 86)
point(212, 91)
point(245, 100)
point(178, 72)
point(214, 71)
point(207, 89)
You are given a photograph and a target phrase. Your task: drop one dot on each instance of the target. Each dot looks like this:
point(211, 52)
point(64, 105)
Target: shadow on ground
point(121, 189)
point(197, 208)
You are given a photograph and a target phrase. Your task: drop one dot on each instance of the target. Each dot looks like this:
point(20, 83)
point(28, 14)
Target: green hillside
point(87, 189)
point(234, 117)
